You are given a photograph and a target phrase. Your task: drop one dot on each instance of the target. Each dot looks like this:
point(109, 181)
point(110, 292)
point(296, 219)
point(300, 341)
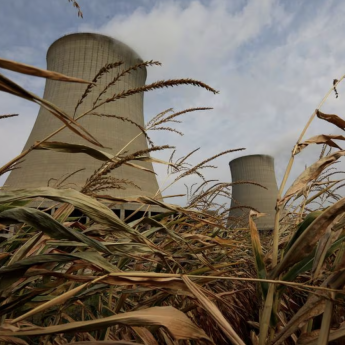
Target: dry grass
point(76, 5)
point(126, 119)
point(115, 163)
point(7, 116)
point(80, 275)
point(104, 70)
point(123, 73)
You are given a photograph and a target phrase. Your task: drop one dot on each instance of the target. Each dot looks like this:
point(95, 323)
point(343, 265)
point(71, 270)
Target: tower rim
point(251, 156)
point(95, 34)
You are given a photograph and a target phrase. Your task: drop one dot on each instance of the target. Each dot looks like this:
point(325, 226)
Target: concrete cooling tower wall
point(259, 169)
point(82, 55)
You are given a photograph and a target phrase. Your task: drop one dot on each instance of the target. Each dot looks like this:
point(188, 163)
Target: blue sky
point(272, 61)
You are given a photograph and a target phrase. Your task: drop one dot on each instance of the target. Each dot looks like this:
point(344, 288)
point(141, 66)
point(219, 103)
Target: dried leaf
point(266, 314)
point(12, 340)
point(45, 223)
point(24, 249)
point(37, 72)
point(301, 228)
point(145, 335)
point(323, 246)
point(258, 255)
point(177, 323)
point(320, 139)
point(74, 148)
point(97, 154)
point(148, 201)
point(152, 160)
point(326, 323)
point(311, 173)
point(89, 206)
point(254, 338)
point(136, 166)
point(151, 201)
point(334, 119)
point(212, 309)
point(24, 264)
point(59, 300)
point(7, 116)
point(313, 337)
point(104, 342)
point(307, 241)
point(11, 87)
point(149, 279)
point(98, 260)
point(313, 307)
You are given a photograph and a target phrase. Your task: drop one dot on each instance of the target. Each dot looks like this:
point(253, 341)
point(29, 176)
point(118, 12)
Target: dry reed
point(7, 116)
point(104, 70)
point(76, 5)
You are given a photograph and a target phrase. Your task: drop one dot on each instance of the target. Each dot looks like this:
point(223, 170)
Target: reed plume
point(104, 70)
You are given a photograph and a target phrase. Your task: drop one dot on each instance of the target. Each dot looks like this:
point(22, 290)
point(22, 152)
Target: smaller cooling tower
point(259, 169)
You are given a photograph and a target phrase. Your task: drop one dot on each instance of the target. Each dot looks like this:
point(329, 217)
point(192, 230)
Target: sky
point(272, 61)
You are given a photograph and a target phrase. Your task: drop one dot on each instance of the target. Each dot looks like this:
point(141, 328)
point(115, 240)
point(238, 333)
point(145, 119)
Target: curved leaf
point(213, 311)
point(74, 148)
point(320, 139)
point(45, 223)
point(307, 241)
point(89, 206)
point(301, 228)
point(258, 255)
point(7, 85)
point(38, 72)
point(310, 174)
point(176, 322)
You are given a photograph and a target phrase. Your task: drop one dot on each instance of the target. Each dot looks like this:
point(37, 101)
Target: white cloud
point(271, 67)
point(271, 62)
point(14, 131)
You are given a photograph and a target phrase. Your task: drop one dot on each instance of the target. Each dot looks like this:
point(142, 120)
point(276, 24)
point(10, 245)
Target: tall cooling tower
point(82, 55)
point(259, 169)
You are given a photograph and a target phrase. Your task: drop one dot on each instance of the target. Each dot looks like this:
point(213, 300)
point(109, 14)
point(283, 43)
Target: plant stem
point(287, 173)
point(279, 207)
point(24, 153)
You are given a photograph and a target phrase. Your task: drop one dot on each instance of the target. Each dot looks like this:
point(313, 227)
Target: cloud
point(272, 61)
point(14, 131)
point(271, 66)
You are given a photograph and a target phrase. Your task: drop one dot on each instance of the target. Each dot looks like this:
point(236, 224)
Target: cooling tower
point(82, 55)
point(259, 169)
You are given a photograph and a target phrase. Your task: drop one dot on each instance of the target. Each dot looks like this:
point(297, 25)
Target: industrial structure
point(82, 55)
point(258, 169)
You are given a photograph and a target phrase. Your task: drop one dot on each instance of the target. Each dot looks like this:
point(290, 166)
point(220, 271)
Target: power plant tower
point(82, 55)
point(258, 169)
